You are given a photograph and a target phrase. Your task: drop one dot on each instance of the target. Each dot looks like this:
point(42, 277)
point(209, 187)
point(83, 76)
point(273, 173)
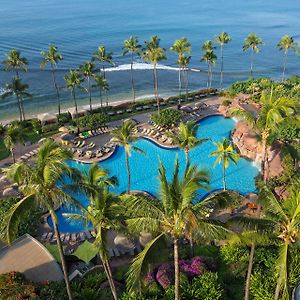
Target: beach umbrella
point(42, 140)
point(63, 129)
point(86, 251)
point(123, 243)
point(145, 238)
point(67, 136)
point(10, 191)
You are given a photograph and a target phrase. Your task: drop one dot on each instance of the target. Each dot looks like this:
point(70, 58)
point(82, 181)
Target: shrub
point(2, 129)
point(13, 285)
point(226, 102)
point(52, 291)
point(288, 131)
point(36, 125)
point(167, 117)
point(64, 118)
point(50, 128)
point(29, 222)
point(165, 275)
point(92, 121)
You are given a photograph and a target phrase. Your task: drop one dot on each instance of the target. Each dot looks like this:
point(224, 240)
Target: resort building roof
point(30, 257)
point(47, 118)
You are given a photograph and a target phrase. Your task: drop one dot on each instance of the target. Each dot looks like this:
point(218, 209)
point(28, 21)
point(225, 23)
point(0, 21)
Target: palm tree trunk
point(210, 75)
point(283, 276)
point(12, 154)
point(128, 172)
point(56, 88)
point(75, 102)
point(105, 92)
point(90, 94)
point(20, 109)
point(101, 99)
point(176, 265)
point(191, 247)
point(265, 135)
point(224, 176)
point(186, 83)
point(110, 279)
point(179, 82)
point(221, 73)
point(62, 257)
point(249, 271)
point(284, 64)
point(187, 161)
point(156, 88)
point(132, 79)
point(252, 62)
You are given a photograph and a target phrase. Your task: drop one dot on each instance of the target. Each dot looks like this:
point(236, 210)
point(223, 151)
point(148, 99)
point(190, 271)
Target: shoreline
point(112, 102)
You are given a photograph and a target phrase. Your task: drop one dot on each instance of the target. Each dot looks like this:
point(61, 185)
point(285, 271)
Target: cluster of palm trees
point(152, 53)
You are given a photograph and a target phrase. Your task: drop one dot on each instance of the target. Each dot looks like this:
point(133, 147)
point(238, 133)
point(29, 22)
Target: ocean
point(79, 27)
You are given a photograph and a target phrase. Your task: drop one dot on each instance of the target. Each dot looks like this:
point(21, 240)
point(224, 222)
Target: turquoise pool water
point(144, 173)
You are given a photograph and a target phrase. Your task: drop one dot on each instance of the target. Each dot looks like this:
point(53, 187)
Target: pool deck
point(143, 119)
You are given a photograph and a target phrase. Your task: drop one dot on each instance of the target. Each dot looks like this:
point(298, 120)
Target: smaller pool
point(240, 177)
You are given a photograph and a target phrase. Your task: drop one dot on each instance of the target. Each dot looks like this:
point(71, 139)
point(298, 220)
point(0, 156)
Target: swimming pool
point(240, 177)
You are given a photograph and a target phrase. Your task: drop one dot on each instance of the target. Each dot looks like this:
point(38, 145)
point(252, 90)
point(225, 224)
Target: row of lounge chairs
point(153, 133)
point(95, 132)
point(50, 237)
point(29, 155)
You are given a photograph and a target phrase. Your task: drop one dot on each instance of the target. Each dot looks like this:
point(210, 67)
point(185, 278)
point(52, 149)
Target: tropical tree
point(181, 47)
point(14, 134)
point(208, 46)
point(225, 154)
point(223, 39)
point(132, 47)
point(173, 216)
point(73, 81)
point(186, 138)
point(210, 58)
point(124, 137)
point(103, 58)
point(18, 89)
point(38, 186)
point(286, 43)
point(104, 212)
point(154, 54)
point(185, 61)
point(273, 111)
point(52, 57)
point(252, 42)
point(102, 84)
point(87, 70)
point(15, 62)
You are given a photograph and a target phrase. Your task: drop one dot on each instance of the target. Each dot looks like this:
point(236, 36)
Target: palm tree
point(103, 58)
point(52, 57)
point(87, 70)
point(286, 43)
point(154, 54)
point(210, 58)
point(132, 47)
point(252, 41)
point(185, 61)
point(103, 212)
point(18, 89)
point(13, 135)
point(15, 62)
point(272, 113)
point(73, 81)
point(173, 216)
point(124, 137)
point(225, 154)
point(181, 47)
point(223, 39)
point(186, 138)
point(38, 186)
point(101, 83)
point(285, 218)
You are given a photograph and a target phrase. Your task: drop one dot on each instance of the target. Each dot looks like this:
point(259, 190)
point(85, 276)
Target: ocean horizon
point(79, 28)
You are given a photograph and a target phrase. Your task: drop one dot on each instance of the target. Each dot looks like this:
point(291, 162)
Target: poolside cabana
point(47, 118)
point(30, 257)
point(80, 111)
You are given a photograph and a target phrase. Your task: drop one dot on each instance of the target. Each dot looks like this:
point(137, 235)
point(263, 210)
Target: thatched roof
point(80, 110)
point(47, 117)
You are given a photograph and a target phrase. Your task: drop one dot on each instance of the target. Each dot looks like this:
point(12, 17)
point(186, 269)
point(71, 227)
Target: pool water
point(144, 174)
